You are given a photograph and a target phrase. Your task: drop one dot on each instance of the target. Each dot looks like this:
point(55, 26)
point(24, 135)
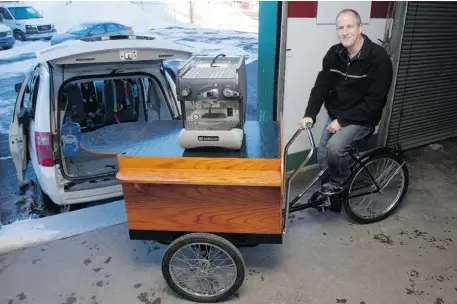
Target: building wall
point(310, 33)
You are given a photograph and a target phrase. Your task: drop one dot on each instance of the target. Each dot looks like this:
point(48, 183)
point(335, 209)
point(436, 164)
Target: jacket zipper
point(347, 69)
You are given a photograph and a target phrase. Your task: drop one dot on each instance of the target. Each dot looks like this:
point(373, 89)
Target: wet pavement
point(409, 258)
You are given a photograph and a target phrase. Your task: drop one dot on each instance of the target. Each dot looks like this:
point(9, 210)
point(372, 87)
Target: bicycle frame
point(290, 207)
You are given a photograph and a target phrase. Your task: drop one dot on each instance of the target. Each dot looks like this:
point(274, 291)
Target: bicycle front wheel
point(363, 201)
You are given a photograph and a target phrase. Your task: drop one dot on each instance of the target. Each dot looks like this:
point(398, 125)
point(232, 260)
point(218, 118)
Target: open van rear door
point(18, 130)
point(122, 52)
point(113, 49)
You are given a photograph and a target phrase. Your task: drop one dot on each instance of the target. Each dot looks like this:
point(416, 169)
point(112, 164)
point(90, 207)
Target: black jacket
point(354, 90)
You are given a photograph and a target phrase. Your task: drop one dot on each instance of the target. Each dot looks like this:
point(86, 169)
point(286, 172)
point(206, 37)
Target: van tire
point(45, 199)
point(19, 35)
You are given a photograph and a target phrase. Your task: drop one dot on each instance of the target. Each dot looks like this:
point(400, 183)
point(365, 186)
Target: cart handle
point(289, 179)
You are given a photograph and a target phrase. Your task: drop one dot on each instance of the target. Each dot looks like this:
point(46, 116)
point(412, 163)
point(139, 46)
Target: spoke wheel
point(203, 267)
point(363, 203)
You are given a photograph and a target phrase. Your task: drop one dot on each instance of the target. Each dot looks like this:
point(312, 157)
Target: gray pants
point(334, 151)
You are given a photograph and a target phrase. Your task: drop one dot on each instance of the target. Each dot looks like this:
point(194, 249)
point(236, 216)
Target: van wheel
point(7, 47)
point(18, 35)
point(65, 208)
point(47, 202)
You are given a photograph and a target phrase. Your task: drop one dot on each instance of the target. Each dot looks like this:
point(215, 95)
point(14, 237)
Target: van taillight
point(43, 145)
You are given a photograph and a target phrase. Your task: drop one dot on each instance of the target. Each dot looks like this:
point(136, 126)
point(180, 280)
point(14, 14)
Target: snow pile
point(145, 15)
point(213, 15)
point(65, 16)
point(56, 227)
point(24, 233)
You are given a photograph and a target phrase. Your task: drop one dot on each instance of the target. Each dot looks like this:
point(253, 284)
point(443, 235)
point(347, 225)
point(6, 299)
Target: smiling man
point(353, 85)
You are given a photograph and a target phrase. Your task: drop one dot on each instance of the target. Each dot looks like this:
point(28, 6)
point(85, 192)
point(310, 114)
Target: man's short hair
point(348, 10)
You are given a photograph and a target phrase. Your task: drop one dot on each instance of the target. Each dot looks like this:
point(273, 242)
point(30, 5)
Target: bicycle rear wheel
point(362, 202)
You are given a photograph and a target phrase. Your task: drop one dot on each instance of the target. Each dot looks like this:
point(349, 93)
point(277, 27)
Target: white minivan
point(79, 87)
point(26, 22)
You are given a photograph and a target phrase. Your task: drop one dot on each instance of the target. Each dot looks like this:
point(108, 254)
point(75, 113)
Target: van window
point(35, 95)
point(4, 13)
point(24, 12)
point(29, 99)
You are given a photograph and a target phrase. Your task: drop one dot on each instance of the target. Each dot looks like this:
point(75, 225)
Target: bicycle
point(364, 180)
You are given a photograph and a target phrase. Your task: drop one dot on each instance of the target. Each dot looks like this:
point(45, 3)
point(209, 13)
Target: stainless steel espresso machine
point(212, 93)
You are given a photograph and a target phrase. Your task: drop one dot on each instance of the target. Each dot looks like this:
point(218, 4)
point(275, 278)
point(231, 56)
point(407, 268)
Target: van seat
point(75, 106)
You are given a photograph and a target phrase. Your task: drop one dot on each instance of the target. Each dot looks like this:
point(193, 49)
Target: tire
point(197, 239)
point(48, 204)
point(392, 158)
point(45, 199)
point(19, 35)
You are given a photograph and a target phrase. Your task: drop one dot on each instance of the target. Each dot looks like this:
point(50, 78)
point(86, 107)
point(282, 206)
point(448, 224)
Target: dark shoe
point(317, 199)
point(329, 189)
point(335, 205)
point(321, 202)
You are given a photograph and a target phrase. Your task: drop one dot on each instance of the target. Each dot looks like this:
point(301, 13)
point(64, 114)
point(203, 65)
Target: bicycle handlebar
point(308, 127)
point(287, 185)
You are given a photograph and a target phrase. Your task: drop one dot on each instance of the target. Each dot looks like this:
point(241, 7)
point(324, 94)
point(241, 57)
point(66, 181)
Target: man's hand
point(334, 126)
point(303, 122)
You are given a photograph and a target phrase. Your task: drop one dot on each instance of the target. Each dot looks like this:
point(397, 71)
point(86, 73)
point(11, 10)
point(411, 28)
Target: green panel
point(268, 20)
point(295, 159)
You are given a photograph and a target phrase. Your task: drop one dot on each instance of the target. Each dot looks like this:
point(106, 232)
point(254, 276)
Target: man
point(354, 83)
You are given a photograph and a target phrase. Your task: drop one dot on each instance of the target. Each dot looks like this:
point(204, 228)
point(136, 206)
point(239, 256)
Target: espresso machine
point(212, 95)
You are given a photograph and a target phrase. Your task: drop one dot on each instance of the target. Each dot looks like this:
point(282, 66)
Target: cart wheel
point(203, 267)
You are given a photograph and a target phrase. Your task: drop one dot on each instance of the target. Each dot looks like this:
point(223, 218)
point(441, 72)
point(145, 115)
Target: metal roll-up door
point(424, 108)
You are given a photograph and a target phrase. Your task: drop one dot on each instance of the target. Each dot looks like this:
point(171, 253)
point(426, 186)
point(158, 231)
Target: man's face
point(348, 29)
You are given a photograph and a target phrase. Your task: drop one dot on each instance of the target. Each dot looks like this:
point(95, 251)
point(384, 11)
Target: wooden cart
point(207, 202)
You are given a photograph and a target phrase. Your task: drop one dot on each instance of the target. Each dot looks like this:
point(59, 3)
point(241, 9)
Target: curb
point(32, 232)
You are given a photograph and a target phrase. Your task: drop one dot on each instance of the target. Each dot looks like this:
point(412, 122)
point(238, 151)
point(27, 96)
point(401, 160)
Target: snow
point(17, 68)
point(218, 27)
point(65, 16)
point(21, 234)
point(215, 15)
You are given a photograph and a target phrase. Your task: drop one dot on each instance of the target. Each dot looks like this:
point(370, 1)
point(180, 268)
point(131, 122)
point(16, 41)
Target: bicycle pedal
point(323, 206)
point(336, 206)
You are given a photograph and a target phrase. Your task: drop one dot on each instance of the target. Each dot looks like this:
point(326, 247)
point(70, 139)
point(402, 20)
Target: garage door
point(424, 108)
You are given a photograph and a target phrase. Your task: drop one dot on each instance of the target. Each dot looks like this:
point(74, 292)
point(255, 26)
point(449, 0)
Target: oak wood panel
point(199, 163)
point(199, 208)
point(200, 171)
point(195, 177)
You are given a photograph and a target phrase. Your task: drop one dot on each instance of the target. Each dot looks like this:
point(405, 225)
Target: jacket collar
point(364, 51)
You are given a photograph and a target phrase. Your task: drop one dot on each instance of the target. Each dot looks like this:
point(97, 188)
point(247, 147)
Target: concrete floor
point(410, 257)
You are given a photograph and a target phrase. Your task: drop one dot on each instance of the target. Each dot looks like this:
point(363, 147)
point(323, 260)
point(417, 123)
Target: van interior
point(92, 104)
